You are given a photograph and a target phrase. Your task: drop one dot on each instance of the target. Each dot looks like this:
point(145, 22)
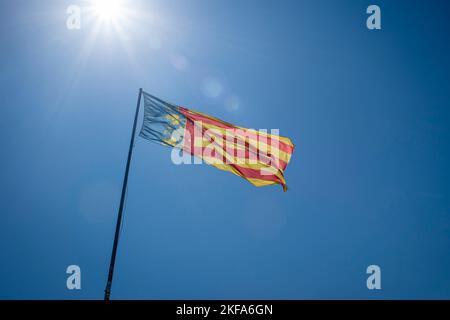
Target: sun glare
point(107, 10)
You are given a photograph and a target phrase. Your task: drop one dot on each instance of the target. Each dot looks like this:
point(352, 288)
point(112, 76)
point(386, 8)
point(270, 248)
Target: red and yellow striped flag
point(257, 156)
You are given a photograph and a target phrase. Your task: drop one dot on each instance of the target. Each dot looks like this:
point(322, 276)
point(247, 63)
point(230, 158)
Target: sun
point(107, 10)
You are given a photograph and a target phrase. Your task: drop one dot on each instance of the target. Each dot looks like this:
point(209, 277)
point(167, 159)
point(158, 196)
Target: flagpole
point(122, 200)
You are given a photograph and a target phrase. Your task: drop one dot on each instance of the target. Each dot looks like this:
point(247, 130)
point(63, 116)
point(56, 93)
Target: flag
point(255, 155)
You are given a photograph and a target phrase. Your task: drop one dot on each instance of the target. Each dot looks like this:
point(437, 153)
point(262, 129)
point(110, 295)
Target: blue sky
point(369, 181)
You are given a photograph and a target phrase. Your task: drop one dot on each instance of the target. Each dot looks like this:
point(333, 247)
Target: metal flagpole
point(122, 200)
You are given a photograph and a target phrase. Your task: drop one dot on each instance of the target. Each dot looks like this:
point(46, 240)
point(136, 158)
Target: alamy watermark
point(73, 21)
point(374, 280)
point(73, 281)
point(228, 146)
point(374, 20)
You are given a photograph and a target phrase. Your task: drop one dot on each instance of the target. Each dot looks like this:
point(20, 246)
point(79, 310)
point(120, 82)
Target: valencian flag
point(256, 156)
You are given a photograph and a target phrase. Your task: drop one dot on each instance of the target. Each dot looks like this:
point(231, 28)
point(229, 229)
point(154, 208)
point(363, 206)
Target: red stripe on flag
point(256, 174)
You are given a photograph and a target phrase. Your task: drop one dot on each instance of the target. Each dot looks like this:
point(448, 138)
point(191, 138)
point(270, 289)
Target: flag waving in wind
point(257, 156)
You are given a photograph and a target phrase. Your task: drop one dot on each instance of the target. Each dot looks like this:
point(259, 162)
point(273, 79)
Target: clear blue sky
point(369, 181)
